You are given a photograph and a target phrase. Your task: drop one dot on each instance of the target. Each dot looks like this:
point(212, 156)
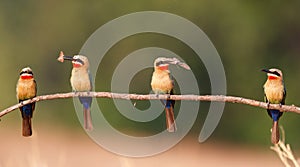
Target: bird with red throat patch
point(275, 93)
point(26, 89)
point(162, 83)
point(81, 81)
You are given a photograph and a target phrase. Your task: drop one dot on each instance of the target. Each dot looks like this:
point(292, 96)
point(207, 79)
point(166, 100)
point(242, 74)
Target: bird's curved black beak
point(70, 58)
point(177, 62)
point(266, 70)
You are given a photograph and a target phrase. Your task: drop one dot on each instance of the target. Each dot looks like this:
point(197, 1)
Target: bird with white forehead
point(162, 83)
point(275, 93)
point(81, 82)
point(26, 89)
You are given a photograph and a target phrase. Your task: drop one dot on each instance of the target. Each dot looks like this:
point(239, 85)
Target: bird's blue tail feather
point(275, 114)
point(27, 110)
point(86, 102)
point(168, 104)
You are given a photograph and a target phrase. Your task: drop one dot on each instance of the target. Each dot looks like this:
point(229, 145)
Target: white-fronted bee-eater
point(81, 82)
point(162, 83)
point(26, 89)
point(275, 93)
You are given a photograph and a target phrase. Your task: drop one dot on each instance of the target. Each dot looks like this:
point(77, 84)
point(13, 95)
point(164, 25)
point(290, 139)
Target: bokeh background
point(249, 36)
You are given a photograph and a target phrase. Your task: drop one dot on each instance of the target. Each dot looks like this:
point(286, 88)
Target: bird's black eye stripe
point(80, 61)
point(26, 72)
point(161, 62)
point(276, 73)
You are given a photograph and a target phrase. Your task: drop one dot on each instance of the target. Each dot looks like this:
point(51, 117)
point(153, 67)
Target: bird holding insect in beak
point(26, 89)
point(81, 82)
point(162, 83)
point(275, 93)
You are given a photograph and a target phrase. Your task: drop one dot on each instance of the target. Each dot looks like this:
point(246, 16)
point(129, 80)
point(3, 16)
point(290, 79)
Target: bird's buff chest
point(26, 89)
point(274, 91)
point(80, 80)
point(161, 82)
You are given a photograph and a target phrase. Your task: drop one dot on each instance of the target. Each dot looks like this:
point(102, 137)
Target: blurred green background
point(249, 36)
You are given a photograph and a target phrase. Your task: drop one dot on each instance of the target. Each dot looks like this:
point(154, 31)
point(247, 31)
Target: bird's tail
point(170, 118)
point(275, 115)
point(26, 112)
point(86, 102)
point(26, 127)
point(275, 133)
point(88, 125)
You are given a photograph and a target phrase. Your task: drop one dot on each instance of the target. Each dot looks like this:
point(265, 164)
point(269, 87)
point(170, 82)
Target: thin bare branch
point(217, 98)
point(285, 152)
